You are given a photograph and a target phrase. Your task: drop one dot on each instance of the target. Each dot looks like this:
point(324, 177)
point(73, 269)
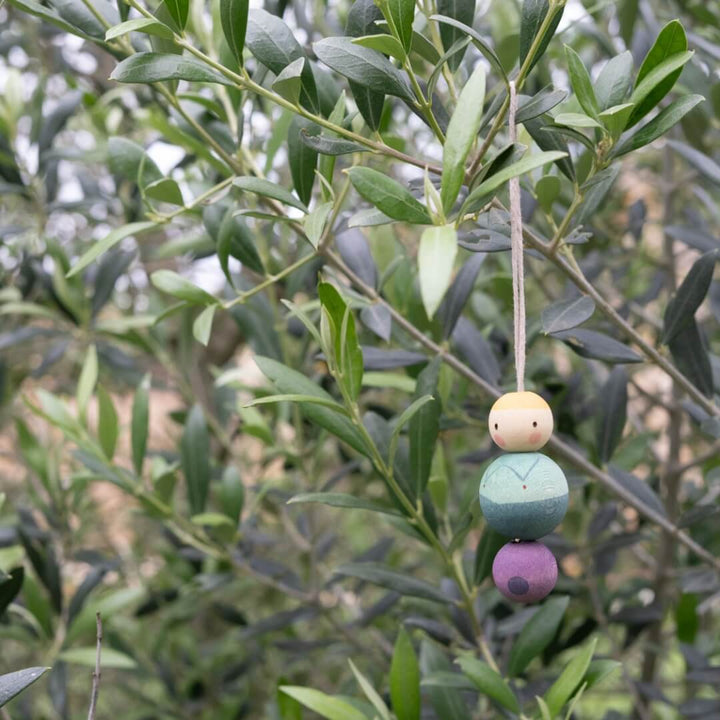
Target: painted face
point(520, 422)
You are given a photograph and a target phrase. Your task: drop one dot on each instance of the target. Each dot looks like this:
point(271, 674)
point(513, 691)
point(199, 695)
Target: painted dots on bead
point(525, 572)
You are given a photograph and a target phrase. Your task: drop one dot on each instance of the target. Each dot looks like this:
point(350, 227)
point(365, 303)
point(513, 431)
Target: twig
point(96, 674)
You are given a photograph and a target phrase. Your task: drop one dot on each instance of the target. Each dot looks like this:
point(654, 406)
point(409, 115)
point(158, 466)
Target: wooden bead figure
point(523, 494)
point(525, 572)
point(520, 422)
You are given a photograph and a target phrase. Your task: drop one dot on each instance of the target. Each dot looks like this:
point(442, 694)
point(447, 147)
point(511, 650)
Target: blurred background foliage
point(145, 267)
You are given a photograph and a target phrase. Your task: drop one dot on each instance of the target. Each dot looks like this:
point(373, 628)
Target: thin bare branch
point(96, 674)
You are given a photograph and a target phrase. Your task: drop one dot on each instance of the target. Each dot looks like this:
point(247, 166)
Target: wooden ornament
point(523, 495)
point(520, 422)
point(525, 572)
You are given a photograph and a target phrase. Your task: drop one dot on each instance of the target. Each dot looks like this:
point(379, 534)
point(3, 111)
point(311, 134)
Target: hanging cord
point(516, 251)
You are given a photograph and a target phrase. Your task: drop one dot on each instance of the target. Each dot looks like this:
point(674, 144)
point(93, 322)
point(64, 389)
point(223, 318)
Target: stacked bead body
point(523, 495)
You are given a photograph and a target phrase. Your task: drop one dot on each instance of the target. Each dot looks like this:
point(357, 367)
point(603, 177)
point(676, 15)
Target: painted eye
point(534, 423)
point(496, 426)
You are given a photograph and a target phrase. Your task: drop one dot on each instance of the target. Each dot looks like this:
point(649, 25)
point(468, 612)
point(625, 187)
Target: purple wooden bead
point(525, 571)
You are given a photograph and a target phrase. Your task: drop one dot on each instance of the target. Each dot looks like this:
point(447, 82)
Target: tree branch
point(96, 674)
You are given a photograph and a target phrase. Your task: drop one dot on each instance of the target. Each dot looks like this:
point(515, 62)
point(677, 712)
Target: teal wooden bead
point(523, 495)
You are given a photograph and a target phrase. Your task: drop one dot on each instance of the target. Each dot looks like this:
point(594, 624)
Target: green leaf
point(312, 399)
point(575, 120)
point(10, 587)
point(361, 22)
point(612, 413)
point(202, 325)
point(581, 82)
point(12, 684)
point(211, 519)
point(370, 693)
point(615, 118)
point(111, 239)
point(363, 66)
point(314, 223)
point(348, 358)
point(537, 634)
point(570, 678)
point(436, 259)
point(388, 196)
point(331, 146)
point(129, 160)
point(448, 703)
point(463, 11)
point(540, 103)
point(195, 459)
point(150, 26)
point(272, 42)
point(405, 679)
point(689, 296)
point(234, 20)
point(526, 164)
point(149, 67)
point(407, 415)
point(446, 679)
point(599, 670)
point(400, 15)
point(544, 711)
point(489, 682)
point(540, 131)
point(236, 240)
point(140, 423)
point(85, 656)
point(691, 357)
point(341, 500)
point(487, 548)
point(598, 346)
point(532, 17)
point(670, 43)
point(325, 705)
point(178, 11)
point(385, 577)
point(424, 426)
point(303, 159)
point(461, 133)
point(269, 189)
point(288, 83)
point(477, 40)
point(567, 314)
point(386, 44)
point(107, 423)
point(173, 284)
point(290, 381)
point(232, 494)
point(87, 381)
point(667, 118)
point(613, 83)
point(547, 190)
point(656, 84)
point(165, 190)
point(54, 18)
point(595, 191)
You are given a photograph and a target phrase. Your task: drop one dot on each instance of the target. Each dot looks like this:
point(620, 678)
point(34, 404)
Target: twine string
point(516, 252)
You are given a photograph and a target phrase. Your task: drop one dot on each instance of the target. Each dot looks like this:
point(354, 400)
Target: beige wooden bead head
point(520, 422)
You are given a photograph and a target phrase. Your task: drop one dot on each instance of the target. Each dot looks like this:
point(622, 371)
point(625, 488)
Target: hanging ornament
point(523, 493)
